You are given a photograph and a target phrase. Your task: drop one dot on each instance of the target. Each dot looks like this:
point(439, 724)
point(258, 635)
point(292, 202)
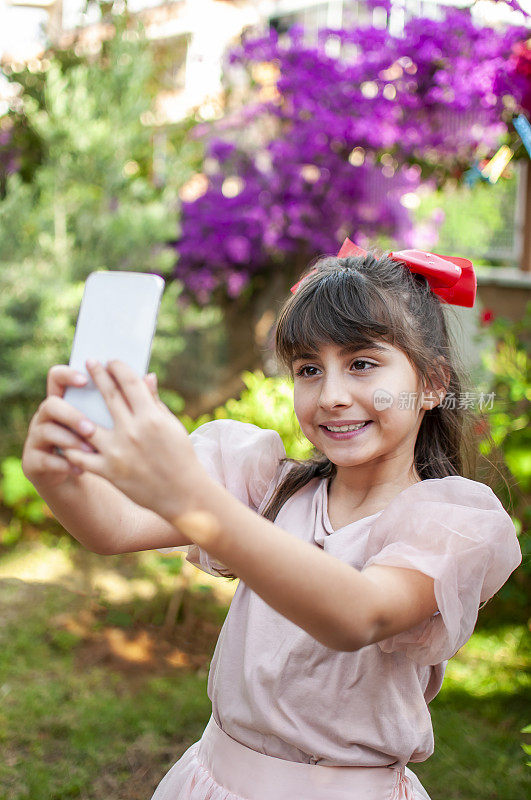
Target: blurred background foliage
point(504, 440)
point(509, 417)
point(84, 191)
point(444, 221)
point(86, 184)
point(83, 198)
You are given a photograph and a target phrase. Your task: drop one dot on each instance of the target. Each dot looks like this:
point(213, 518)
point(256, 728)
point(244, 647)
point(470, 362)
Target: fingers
point(151, 383)
point(132, 387)
point(50, 435)
point(54, 426)
point(48, 462)
point(58, 410)
point(60, 376)
point(43, 447)
point(116, 400)
point(53, 432)
point(84, 461)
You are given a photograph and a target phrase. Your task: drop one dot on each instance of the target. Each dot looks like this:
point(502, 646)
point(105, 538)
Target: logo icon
point(382, 399)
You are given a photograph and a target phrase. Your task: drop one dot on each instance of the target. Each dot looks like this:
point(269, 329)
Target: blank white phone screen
point(117, 320)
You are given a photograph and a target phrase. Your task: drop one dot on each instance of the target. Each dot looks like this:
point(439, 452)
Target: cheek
point(298, 402)
point(402, 391)
point(303, 405)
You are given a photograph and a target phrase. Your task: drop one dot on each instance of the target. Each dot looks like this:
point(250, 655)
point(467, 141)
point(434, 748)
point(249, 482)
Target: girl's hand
point(55, 427)
point(148, 455)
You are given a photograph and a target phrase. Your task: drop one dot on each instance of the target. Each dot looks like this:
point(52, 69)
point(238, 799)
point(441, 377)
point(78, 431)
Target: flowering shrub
point(487, 316)
point(330, 146)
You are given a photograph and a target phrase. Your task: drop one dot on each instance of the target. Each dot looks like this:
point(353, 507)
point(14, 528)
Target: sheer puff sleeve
point(241, 457)
point(457, 531)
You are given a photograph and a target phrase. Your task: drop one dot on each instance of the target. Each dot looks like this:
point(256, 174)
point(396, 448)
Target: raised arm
point(93, 511)
point(338, 605)
point(104, 520)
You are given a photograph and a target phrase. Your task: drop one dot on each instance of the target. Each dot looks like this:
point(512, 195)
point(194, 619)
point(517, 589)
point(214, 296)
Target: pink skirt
point(218, 767)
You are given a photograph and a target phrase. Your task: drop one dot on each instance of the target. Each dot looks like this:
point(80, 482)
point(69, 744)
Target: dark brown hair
point(356, 301)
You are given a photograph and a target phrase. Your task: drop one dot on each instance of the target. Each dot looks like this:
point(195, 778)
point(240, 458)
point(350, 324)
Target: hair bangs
point(332, 307)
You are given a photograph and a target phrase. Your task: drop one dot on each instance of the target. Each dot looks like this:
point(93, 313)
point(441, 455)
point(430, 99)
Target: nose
point(334, 392)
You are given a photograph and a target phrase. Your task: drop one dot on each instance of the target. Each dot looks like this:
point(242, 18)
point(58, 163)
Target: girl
point(361, 570)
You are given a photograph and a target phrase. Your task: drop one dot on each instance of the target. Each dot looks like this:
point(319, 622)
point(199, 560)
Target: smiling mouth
point(345, 428)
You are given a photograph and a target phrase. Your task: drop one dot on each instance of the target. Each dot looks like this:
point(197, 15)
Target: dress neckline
point(326, 519)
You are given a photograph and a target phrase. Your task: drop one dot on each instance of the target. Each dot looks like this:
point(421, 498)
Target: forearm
point(326, 597)
point(104, 520)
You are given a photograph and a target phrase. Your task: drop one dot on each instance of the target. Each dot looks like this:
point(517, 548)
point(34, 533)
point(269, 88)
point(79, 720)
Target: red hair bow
point(451, 278)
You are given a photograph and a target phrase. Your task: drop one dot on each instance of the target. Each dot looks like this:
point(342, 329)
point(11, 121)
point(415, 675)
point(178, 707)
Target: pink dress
point(276, 692)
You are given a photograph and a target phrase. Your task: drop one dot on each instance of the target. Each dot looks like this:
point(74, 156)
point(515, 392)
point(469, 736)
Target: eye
point(363, 361)
point(301, 372)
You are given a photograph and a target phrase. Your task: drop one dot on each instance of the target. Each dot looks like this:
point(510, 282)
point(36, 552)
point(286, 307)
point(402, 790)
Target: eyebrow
point(345, 351)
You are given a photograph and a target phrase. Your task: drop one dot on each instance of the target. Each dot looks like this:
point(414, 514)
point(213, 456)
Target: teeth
point(344, 428)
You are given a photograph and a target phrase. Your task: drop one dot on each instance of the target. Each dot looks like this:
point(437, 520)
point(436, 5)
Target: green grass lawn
point(477, 717)
point(93, 705)
point(79, 719)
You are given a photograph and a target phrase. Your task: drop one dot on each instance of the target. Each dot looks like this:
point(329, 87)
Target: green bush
point(266, 402)
point(21, 497)
point(508, 418)
point(506, 441)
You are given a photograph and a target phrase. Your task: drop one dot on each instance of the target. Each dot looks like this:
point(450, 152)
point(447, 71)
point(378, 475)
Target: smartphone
point(117, 320)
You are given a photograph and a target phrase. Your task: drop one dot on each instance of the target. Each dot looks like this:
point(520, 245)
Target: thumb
point(151, 382)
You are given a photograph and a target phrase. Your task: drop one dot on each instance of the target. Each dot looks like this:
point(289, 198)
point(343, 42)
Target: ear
point(436, 386)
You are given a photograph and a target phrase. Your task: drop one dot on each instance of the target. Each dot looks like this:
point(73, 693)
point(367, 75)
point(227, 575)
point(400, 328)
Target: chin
point(349, 462)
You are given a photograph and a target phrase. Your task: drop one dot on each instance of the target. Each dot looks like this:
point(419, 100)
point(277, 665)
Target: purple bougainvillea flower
point(328, 146)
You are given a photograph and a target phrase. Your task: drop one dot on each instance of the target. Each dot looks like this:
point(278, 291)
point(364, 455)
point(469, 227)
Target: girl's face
point(375, 386)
